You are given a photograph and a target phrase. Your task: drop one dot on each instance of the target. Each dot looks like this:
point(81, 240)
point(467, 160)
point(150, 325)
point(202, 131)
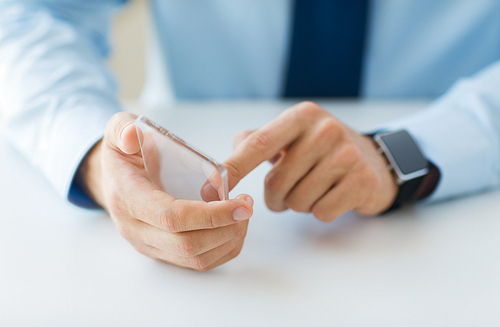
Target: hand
point(319, 165)
point(192, 234)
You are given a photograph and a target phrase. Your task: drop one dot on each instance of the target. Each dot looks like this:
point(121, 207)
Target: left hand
point(319, 165)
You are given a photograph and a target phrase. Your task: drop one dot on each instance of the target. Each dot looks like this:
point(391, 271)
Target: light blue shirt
point(53, 80)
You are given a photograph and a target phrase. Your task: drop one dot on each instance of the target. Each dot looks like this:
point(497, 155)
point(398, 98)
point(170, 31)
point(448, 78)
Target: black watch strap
point(406, 192)
point(408, 188)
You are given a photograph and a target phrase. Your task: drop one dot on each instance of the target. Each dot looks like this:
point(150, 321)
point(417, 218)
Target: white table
point(424, 266)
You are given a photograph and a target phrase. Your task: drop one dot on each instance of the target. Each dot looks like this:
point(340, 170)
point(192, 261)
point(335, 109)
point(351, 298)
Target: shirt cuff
point(458, 142)
point(74, 133)
point(77, 195)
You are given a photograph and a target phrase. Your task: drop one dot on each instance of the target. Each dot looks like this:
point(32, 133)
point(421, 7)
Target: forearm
point(56, 93)
point(460, 133)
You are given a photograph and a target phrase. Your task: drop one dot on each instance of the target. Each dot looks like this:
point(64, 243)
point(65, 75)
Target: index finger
point(161, 210)
point(262, 145)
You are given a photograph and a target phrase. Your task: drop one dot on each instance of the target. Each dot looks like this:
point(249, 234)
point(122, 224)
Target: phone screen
point(177, 168)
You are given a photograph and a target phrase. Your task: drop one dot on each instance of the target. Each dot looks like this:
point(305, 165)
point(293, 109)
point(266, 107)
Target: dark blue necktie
point(326, 48)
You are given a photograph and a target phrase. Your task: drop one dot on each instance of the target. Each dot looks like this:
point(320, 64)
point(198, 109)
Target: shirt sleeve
point(460, 133)
point(56, 94)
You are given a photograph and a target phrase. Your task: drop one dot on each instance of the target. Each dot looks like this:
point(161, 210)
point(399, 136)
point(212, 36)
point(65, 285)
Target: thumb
point(121, 133)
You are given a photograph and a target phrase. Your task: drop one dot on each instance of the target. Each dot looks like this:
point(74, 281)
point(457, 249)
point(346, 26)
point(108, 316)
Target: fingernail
point(123, 131)
point(249, 200)
point(209, 193)
point(241, 213)
point(121, 141)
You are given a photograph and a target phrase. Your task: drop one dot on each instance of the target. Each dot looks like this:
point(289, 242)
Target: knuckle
point(126, 232)
point(274, 181)
point(351, 153)
point(369, 176)
point(369, 202)
point(276, 206)
point(259, 140)
point(236, 252)
point(200, 263)
point(321, 213)
point(334, 162)
point(308, 109)
point(211, 219)
point(169, 219)
point(142, 250)
point(330, 129)
point(214, 218)
point(274, 202)
point(233, 171)
point(187, 249)
point(296, 204)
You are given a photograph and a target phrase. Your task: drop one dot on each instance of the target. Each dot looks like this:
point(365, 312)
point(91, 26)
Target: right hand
point(192, 234)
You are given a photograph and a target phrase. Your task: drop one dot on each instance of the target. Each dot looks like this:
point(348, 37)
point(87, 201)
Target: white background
point(429, 265)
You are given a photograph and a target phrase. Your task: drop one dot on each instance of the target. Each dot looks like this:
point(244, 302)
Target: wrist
point(89, 174)
point(383, 193)
point(415, 175)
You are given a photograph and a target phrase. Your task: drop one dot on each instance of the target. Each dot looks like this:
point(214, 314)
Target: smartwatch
point(406, 162)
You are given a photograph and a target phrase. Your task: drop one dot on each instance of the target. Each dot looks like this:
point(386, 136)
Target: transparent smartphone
point(178, 169)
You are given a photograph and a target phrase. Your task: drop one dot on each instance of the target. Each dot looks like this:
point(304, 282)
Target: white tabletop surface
point(435, 265)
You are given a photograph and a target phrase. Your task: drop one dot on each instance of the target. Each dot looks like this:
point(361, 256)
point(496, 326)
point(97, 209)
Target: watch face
point(404, 152)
